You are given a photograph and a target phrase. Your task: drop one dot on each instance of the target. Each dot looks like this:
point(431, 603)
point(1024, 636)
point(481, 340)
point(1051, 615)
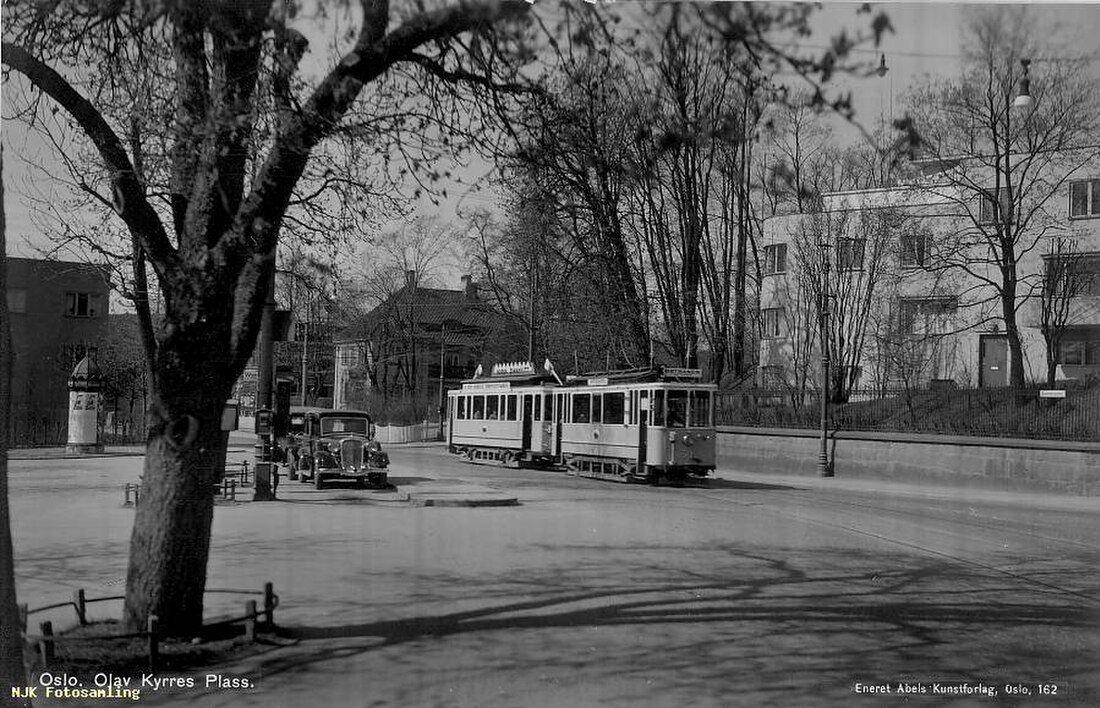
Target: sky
point(926, 43)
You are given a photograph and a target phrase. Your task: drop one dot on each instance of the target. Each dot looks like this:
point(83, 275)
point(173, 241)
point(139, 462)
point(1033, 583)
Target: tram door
point(547, 423)
point(643, 432)
point(528, 404)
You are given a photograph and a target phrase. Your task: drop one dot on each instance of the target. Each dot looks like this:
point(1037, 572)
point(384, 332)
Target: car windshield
point(330, 426)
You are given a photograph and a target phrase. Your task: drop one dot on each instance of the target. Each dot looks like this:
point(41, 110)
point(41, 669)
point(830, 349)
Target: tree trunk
point(184, 448)
point(12, 671)
point(1012, 330)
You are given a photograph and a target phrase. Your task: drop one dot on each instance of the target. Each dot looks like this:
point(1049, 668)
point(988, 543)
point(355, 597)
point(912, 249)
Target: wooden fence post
point(81, 605)
point(250, 621)
point(269, 604)
point(46, 644)
point(153, 628)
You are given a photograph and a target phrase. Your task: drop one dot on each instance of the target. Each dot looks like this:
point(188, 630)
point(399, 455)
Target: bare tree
point(211, 238)
point(843, 261)
point(1002, 167)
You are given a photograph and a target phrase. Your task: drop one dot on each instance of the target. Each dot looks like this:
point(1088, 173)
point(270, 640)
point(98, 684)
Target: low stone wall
point(994, 463)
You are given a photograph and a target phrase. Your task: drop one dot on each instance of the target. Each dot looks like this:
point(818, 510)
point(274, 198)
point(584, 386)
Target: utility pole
point(305, 348)
point(263, 487)
point(442, 360)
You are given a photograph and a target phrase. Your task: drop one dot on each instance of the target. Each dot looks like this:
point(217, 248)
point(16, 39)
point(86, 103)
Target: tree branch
point(130, 201)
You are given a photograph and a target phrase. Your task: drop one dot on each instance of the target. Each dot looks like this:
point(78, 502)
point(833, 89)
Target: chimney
point(469, 287)
point(410, 279)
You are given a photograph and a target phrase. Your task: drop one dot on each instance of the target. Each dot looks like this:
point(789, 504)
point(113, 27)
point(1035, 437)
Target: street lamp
point(1024, 99)
point(824, 467)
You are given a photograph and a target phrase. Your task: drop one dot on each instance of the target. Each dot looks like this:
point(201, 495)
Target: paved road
point(753, 591)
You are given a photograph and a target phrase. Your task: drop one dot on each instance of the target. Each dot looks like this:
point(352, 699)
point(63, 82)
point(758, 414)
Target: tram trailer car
point(648, 425)
point(504, 417)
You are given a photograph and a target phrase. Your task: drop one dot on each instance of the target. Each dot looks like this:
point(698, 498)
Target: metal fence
point(53, 431)
point(983, 412)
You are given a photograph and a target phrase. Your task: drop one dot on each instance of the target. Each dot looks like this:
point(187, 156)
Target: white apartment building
point(914, 291)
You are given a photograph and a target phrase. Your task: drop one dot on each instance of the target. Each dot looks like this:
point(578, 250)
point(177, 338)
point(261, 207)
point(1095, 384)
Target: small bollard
point(81, 605)
point(232, 490)
point(152, 629)
point(46, 644)
point(269, 604)
point(250, 621)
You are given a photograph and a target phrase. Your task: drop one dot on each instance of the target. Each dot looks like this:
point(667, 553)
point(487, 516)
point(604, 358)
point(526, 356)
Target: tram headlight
point(687, 439)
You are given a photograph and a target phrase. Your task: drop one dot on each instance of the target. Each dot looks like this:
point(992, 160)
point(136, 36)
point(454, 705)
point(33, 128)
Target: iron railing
point(982, 412)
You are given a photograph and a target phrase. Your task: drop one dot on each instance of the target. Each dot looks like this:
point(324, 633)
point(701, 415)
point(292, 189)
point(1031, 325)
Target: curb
point(430, 499)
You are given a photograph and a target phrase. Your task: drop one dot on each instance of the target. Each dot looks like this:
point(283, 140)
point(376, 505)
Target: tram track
point(779, 510)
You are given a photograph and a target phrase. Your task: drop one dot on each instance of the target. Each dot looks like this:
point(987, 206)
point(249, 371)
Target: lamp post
point(824, 466)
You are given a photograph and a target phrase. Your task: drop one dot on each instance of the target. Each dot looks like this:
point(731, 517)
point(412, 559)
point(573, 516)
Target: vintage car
point(339, 444)
point(288, 446)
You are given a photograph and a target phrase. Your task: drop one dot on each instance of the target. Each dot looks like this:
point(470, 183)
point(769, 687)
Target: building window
point(849, 253)
point(772, 377)
point(1084, 198)
point(775, 259)
point(988, 212)
point(915, 246)
point(81, 304)
point(926, 315)
point(1073, 275)
point(17, 300)
point(1078, 353)
point(771, 322)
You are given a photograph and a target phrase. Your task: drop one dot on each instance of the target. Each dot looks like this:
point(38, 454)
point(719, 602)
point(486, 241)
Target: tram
point(653, 424)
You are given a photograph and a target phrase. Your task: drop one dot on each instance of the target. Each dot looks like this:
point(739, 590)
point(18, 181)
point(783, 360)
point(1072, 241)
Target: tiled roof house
point(419, 342)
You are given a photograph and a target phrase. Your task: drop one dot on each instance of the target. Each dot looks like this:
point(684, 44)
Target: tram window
point(677, 409)
point(536, 406)
point(460, 407)
point(511, 407)
point(492, 407)
point(479, 408)
point(561, 407)
point(614, 407)
point(597, 399)
point(581, 405)
point(548, 407)
point(657, 411)
point(700, 409)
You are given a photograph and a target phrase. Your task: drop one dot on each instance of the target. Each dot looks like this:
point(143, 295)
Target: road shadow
point(783, 620)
